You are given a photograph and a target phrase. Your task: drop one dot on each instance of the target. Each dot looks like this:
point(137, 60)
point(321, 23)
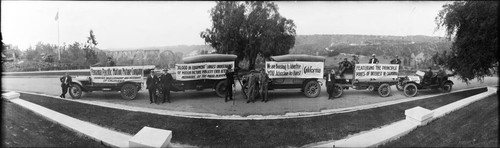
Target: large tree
point(472, 27)
point(249, 29)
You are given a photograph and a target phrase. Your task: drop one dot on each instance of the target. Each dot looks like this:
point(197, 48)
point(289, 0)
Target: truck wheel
point(337, 91)
point(312, 89)
point(220, 89)
point(410, 90)
point(447, 87)
point(384, 90)
point(128, 91)
point(75, 91)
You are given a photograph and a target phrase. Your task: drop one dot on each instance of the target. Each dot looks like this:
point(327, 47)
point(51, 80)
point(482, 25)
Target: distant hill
point(355, 44)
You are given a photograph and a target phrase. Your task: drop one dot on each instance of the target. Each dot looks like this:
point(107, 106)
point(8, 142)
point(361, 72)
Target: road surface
point(281, 101)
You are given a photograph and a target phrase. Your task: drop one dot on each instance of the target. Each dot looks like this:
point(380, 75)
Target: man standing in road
point(151, 86)
point(252, 82)
point(65, 83)
point(167, 83)
point(373, 60)
point(330, 83)
point(264, 79)
point(229, 84)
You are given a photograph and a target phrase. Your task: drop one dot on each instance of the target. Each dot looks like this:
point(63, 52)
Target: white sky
point(129, 24)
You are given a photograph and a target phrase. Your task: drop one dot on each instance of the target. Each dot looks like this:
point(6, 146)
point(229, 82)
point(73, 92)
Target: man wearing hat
point(110, 62)
point(373, 60)
point(166, 79)
point(151, 86)
point(354, 60)
point(229, 84)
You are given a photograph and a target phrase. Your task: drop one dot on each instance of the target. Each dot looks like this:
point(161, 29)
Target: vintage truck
point(127, 80)
point(202, 72)
point(296, 72)
point(374, 77)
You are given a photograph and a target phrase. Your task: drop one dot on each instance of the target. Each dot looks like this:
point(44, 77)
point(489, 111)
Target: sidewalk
point(376, 137)
point(100, 134)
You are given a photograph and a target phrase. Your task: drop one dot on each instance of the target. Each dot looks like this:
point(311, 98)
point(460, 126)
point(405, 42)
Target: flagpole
point(58, 45)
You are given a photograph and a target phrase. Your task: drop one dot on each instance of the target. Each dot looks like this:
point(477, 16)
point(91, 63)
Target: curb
point(378, 136)
point(250, 117)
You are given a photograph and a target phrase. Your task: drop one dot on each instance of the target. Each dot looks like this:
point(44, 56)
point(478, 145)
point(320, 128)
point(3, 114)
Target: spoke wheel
point(337, 91)
point(447, 87)
point(312, 89)
point(220, 89)
point(410, 90)
point(129, 91)
point(75, 91)
point(384, 90)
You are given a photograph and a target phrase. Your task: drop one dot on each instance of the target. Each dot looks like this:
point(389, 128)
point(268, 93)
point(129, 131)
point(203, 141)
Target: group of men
point(159, 87)
point(255, 84)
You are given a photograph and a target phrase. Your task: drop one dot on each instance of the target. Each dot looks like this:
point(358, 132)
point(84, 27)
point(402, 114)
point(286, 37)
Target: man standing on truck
point(344, 65)
point(151, 86)
point(373, 60)
point(65, 83)
point(229, 84)
point(166, 79)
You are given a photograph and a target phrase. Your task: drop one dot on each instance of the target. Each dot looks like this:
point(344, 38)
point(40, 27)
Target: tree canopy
point(249, 29)
point(472, 27)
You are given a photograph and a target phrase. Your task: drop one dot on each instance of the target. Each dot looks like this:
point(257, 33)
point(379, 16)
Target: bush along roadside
point(246, 133)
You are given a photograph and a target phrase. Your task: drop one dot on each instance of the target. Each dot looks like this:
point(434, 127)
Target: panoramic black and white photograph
point(249, 73)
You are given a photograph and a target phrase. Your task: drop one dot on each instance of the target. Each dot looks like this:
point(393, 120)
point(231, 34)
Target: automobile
point(411, 84)
point(127, 80)
point(372, 77)
point(201, 72)
point(296, 71)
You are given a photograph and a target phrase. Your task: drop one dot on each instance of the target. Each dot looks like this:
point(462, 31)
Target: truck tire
point(410, 90)
point(75, 91)
point(312, 89)
point(384, 90)
point(337, 91)
point(220, 89)
point(447, 87)
point(128, 91)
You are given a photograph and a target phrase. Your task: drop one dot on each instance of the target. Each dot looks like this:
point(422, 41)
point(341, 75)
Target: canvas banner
point(367, 71)
point(294, 69)
point(117, 74)
point(206, 70)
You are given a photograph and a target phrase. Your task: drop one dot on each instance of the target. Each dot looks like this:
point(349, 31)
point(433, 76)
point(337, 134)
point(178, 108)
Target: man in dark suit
point(229, 84)
point(151, 86)
point(373, 60)
point(330, 83)
point(166, 80)
point(264, 80)
point(65, 83)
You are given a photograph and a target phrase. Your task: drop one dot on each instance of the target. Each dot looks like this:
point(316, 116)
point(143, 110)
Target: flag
point(57, 16)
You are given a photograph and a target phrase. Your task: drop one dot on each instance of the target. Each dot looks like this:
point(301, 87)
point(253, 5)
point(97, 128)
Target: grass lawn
point(475, 125)
point(246, 133)
point(23, 128)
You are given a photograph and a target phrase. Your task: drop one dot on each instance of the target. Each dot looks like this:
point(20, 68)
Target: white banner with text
point(206, 70)
point(117, 74)
point(294, 69)
point(366, 71)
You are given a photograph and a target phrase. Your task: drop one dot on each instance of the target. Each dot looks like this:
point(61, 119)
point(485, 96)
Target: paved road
point(282, 101)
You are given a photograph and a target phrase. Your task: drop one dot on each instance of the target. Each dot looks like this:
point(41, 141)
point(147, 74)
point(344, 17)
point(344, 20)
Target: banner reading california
point(294, 69)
